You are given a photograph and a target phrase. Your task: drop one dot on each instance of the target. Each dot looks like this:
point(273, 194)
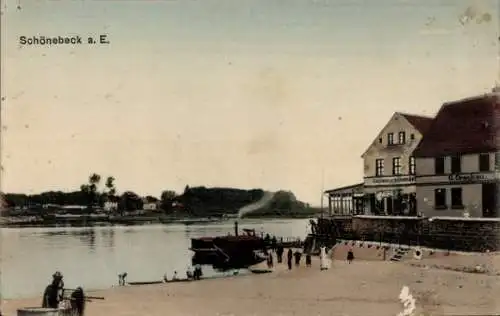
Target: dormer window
point(401, 138)
point(390, 139)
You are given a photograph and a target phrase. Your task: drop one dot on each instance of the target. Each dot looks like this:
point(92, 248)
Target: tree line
point(193, 201)
point(95, 193)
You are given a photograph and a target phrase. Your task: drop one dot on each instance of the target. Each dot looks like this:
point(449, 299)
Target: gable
point(396, 120)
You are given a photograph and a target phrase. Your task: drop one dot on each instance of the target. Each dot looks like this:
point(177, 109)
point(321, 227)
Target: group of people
point(54, 295)
point(193, 275)
point(295, 257)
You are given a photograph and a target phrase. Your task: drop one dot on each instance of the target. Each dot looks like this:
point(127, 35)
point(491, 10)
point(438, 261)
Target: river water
point(93, 257)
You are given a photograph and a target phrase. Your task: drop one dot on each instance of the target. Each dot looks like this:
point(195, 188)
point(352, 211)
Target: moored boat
point(229, 252)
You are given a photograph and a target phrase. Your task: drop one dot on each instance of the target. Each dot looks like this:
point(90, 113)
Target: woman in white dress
point(324, 262)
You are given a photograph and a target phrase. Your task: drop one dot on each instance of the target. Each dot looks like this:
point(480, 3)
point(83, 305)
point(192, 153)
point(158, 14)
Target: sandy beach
point(362, 288)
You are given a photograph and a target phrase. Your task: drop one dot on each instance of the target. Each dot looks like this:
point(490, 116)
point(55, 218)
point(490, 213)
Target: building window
point(412, 136)
point(484, 162)
point(380, 140)
point(379, 167)
point(413, 165)
point(439, 165)
point(390, 139)
point(440, 199)
point(402, 137)
point(497, 161)
point(396, 166)
point(456, 164)
point(456, 198)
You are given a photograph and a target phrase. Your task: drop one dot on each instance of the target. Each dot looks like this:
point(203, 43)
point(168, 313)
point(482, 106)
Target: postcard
point(223, 157)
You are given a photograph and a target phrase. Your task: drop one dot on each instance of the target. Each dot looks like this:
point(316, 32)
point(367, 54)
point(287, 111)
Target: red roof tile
point(463, 127)
point(421, 123)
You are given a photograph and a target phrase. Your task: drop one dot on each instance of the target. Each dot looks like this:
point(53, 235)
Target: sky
point(272, 94)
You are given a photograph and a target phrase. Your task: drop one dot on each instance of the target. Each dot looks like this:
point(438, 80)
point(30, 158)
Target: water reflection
point(87, 236)
point(92, 257)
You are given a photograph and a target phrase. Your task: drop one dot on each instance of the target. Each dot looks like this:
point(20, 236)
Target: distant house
point(153, 206)
point(110, 206)
point(150, 203)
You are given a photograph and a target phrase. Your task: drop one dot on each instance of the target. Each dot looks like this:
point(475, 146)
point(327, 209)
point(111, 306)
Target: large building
point(457, 160)
point(390, 168)
point(389, 172)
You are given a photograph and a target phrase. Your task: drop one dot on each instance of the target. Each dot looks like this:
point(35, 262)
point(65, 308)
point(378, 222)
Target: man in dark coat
point(53, 292)
point(289, 259)
point(297, 255)
point(279, 253)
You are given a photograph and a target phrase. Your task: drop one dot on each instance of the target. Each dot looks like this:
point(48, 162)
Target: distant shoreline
point(89, 221)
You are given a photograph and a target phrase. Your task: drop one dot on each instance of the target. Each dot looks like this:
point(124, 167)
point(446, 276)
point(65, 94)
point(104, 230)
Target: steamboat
point(238, 251)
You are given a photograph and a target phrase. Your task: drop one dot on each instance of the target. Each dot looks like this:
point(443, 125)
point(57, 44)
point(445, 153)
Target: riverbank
point(91, 221)
point(361, 288)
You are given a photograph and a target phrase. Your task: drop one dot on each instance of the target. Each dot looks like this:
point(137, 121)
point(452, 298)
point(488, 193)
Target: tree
point(167, 198)
point(110, 186)
point(90, 190)
point(130, 201)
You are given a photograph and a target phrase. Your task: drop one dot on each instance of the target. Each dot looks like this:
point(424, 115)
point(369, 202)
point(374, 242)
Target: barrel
point(37, 311)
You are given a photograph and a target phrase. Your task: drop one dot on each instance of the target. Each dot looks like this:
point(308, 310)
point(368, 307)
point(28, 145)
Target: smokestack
point(236, 228)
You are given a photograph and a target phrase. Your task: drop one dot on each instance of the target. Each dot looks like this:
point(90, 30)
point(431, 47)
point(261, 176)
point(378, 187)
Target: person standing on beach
point(78, 302)
point(308, 260)
point(270, 260)
point(53, 292)
point(289, 259)
point(297, 255)
point(279, 253)
point(274, 243)
point(350, 256)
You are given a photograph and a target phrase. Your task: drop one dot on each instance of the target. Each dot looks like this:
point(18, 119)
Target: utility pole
point(322, 190)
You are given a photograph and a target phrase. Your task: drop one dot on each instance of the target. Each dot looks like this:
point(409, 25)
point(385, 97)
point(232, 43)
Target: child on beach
point(350, 256)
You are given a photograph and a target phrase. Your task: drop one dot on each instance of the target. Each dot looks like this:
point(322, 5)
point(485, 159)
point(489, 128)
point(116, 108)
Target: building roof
point(350, 188)
point(420, 122)
point(463, 127)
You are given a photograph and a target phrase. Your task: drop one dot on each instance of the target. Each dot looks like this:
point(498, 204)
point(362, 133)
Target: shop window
point(412, 166)
point(456, 198)
point(390, 139)
point(396, 166)
point(401, 138)
point(456, 164)
point(379, 167)
point(440, 199)
point(484, 162)
point(439, 165)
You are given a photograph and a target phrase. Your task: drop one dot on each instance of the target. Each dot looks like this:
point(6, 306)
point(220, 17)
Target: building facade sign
point(459, 178)
point(387, 181)
point(470, 177)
